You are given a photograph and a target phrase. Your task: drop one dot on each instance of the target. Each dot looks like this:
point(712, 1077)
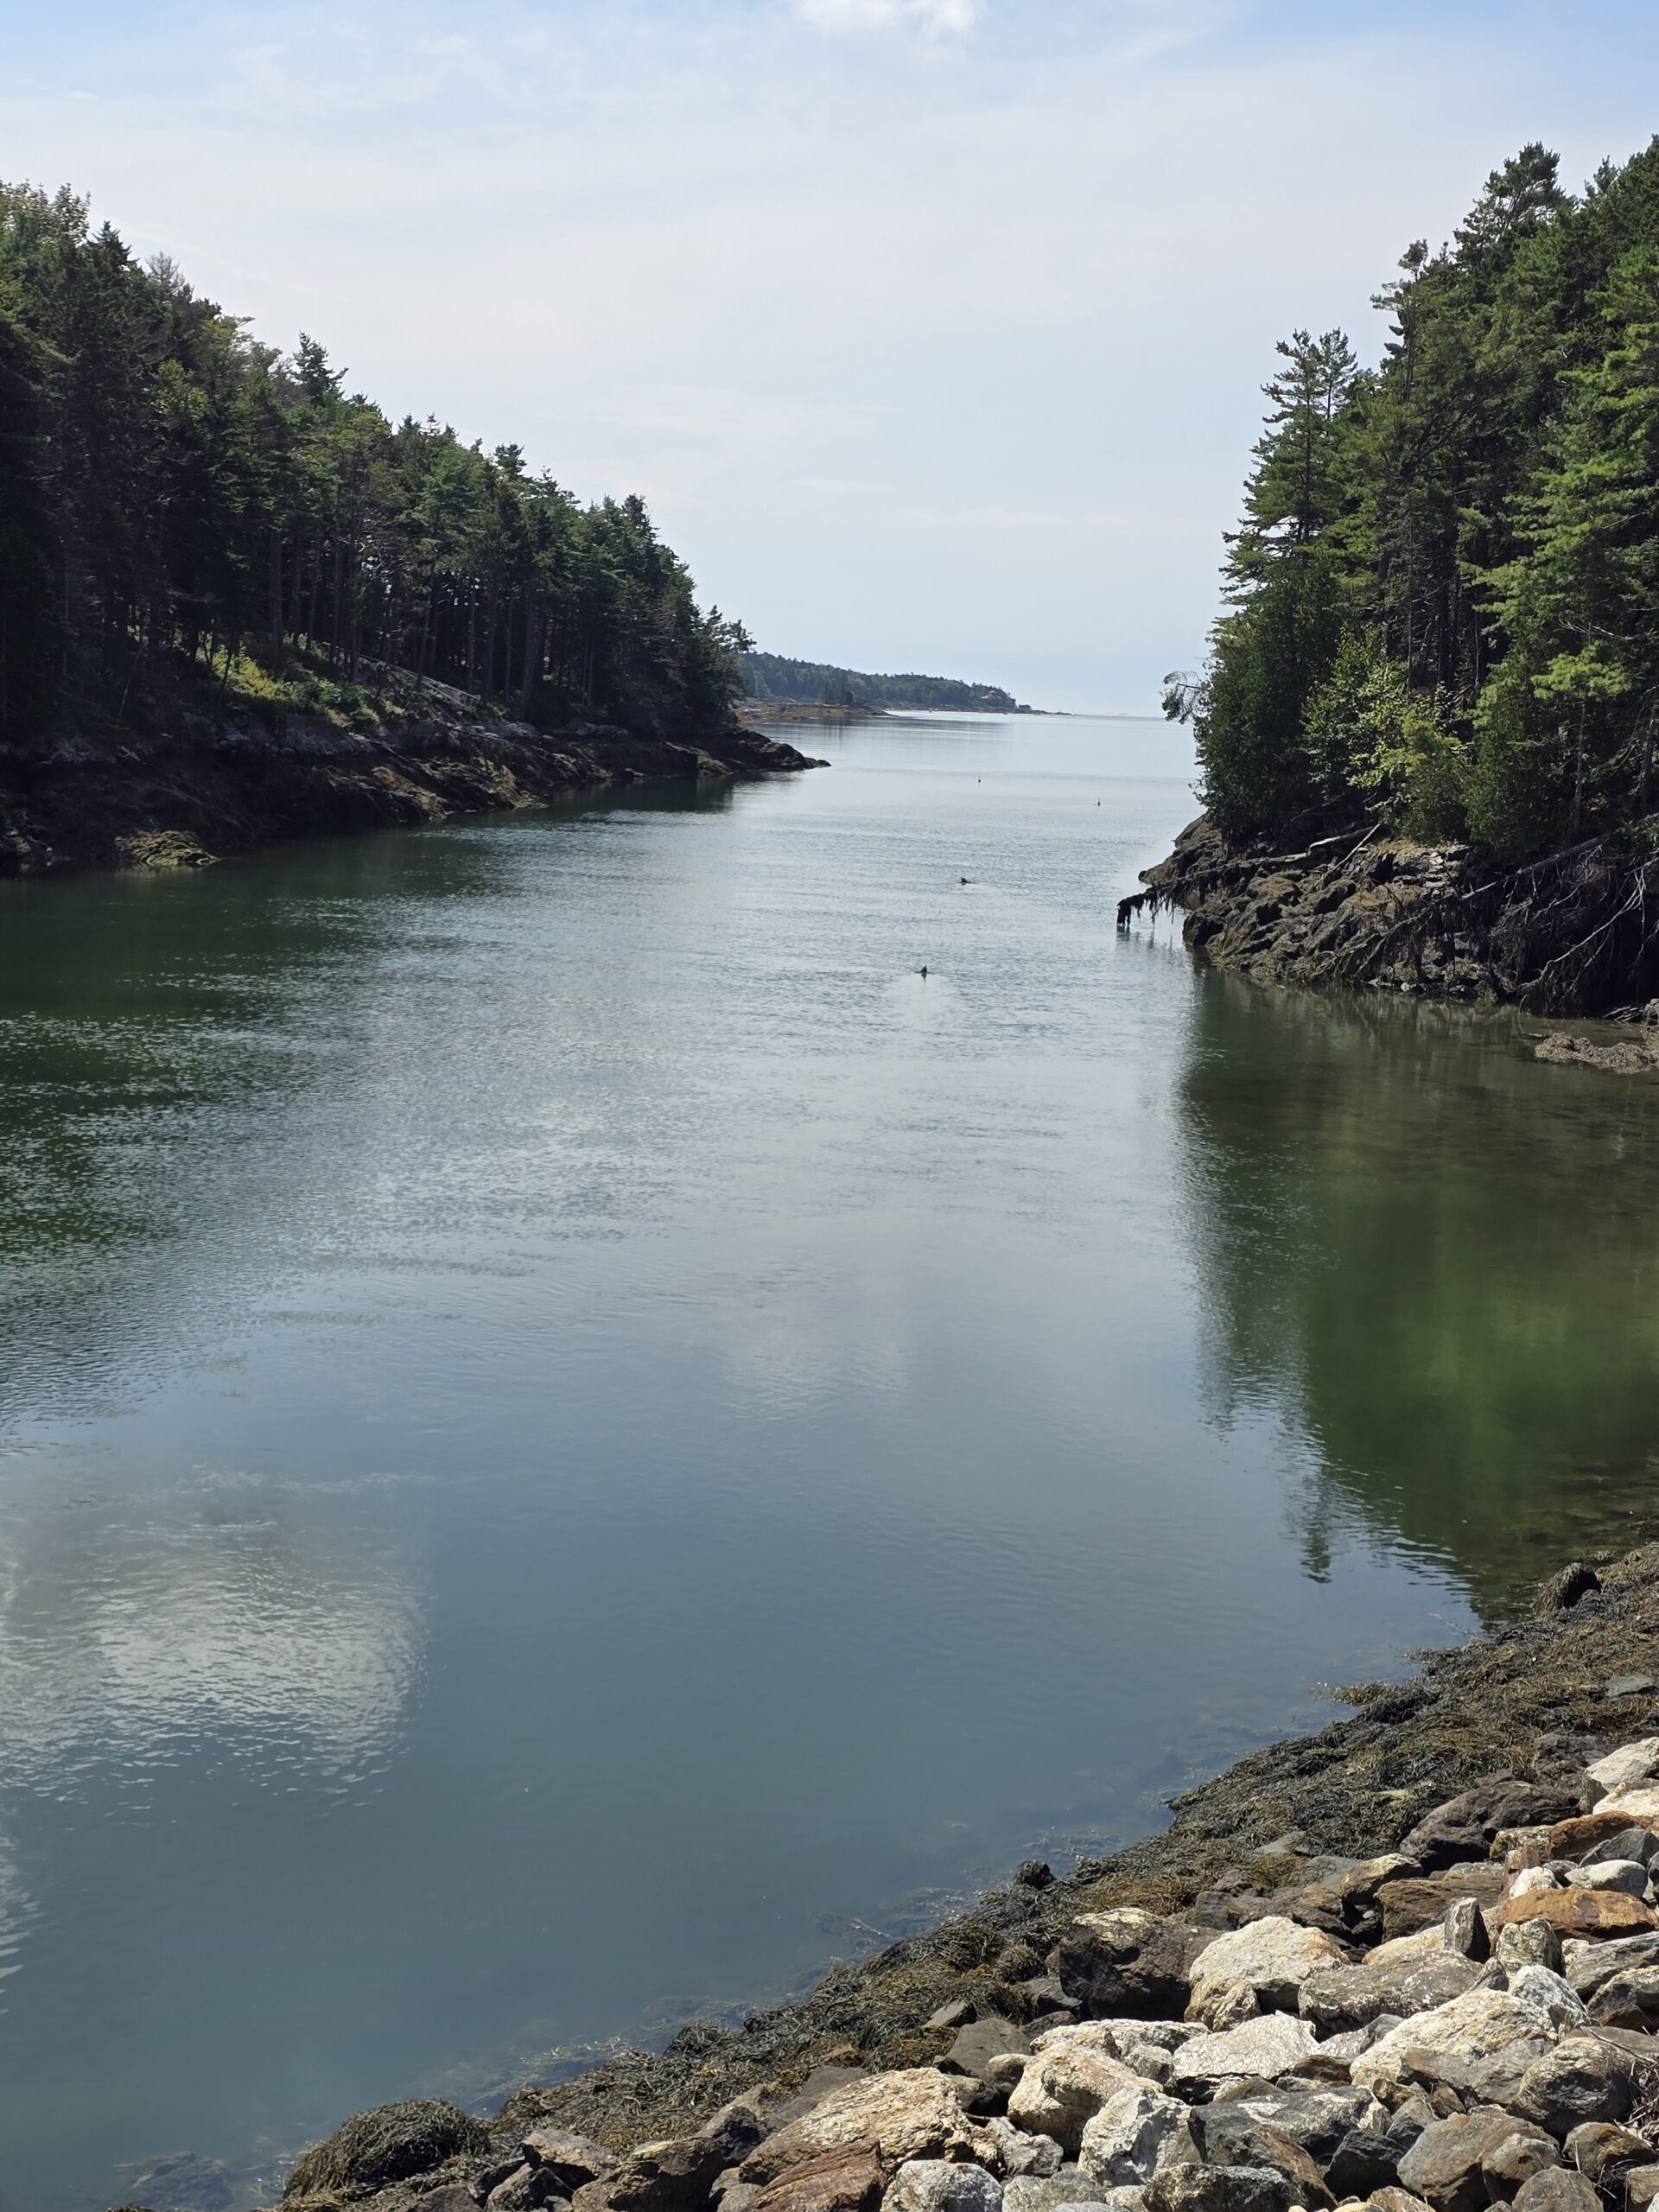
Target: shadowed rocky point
point(1565, 934)
point(434, 754)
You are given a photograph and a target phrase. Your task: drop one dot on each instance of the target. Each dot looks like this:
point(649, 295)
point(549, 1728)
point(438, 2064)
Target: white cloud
point(916, 364)
point(936, 18)
point(237, 1629)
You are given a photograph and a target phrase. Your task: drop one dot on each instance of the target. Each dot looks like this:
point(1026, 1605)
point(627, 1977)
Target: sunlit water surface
point(578, 1438)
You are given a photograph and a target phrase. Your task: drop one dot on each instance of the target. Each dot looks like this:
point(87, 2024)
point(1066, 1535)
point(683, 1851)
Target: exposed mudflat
point(804, 710)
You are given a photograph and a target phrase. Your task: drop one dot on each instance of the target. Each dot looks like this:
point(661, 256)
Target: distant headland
point(773, 680)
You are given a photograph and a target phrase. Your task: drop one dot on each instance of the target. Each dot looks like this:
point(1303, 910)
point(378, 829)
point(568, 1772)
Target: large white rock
point(1637, 1801)
point(1134, 2135)
point(1078, 2034)
point(1144, 2046)
point(1631, 1763)
point(1027, 2193)
point(1065, 2085)
point(1010, 2152)
point(914, 2113)
point(1482, 2043)
point(1270, 2046)
point(1553, 1995)
point(1351, 1997)
point(1528, 1878)
point(941, 2185)
point(1627, 1874)
point(1111, 2036)
point(1402, 1951)
point(1266, 1960)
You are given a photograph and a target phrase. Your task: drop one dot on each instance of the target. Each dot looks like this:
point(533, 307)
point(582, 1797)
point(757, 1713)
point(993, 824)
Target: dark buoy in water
point(923, 971)
point(962, 879)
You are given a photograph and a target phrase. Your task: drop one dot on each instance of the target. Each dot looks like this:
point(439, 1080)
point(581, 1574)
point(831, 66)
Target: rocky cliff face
point(1572, 934)
point(174, 804)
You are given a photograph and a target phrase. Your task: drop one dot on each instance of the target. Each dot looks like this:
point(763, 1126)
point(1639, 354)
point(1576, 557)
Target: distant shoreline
point(817, 710)
point(751, 711)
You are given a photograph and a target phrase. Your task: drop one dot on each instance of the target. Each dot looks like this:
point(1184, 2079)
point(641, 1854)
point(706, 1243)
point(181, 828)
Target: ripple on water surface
point(575, 1434)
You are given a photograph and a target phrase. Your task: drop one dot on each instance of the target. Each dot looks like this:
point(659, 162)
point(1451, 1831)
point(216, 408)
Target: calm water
point(575, 1439)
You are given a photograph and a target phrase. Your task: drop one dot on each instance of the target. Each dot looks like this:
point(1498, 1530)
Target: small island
point(773, 682)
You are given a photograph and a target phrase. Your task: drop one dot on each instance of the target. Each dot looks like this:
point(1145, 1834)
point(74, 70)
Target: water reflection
point(206, 1659)
point(159, 1035)
point(214, 1612)
point(210, 1628)
point(566, 1416)
point(1436, 1262)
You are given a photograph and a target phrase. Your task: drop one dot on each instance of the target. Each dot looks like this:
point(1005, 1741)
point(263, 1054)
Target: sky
point(932, 330)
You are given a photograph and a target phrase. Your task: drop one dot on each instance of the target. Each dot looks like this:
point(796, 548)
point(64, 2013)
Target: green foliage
point(839, 689)
point(31, 645)
point(1270, 654)
point(772, 676)
point(304, 683)
point(174, 496)
point(1275, 647)
point(1371, 737)
point(1444, 595)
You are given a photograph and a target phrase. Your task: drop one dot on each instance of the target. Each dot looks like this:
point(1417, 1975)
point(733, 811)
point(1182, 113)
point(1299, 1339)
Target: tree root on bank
point(1600, 902)
point(1573, 932)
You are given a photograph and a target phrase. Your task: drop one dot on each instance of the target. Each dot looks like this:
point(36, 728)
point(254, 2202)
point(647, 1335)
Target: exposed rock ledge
point(1572, 934)
point(1412, 1961)
point(182, 803)
point(804, 710)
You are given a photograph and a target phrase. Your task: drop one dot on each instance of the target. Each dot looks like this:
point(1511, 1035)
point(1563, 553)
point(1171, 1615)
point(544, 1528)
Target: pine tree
point(181, 506)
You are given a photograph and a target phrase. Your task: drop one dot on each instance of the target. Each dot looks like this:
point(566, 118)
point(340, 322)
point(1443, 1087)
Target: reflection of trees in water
point(155, 1032)
point(1436, 1262)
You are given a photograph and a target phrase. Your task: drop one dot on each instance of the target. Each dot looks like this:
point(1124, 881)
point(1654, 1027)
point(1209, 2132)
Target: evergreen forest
point(1442, 601)
point(190, 518)
point(773, 676)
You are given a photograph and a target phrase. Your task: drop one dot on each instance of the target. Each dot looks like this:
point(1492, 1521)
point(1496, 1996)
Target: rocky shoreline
point(1410, 1961)
point(1353, 908)
point(751, 711)
point(186, 801)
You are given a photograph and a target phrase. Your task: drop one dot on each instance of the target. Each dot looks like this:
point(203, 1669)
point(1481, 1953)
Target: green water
point(575, 1439)
point(1442, 1266)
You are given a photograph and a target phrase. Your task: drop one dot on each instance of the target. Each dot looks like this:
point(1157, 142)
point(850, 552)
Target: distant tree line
point(772, 676)
point(1443, 598)
point(179, 501)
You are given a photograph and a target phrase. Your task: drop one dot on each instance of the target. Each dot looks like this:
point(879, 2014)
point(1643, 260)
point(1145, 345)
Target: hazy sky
point(931, 329)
